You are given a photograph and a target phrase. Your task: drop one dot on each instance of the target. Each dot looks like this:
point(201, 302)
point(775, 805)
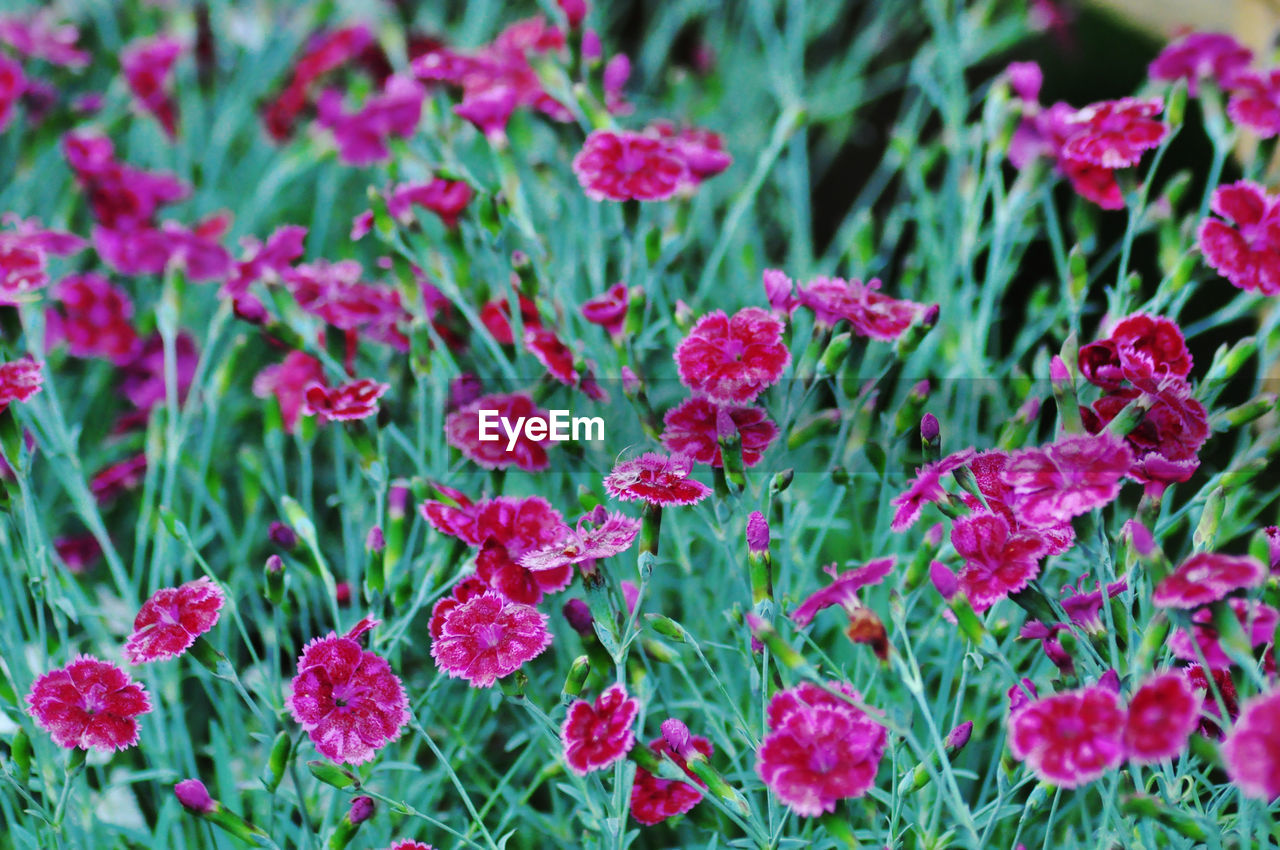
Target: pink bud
point(282, 535)
point(930, 430)
point(1025, 78)
point(375, 541)
point(275, 564)
point(616, 73)
point(397, 501)
point(342, 594)
point(591, 46)
point(934, 535)
point(921, 389)
point(574, 12)
point(579, 617)
point(1143, 542)
point(1273, 545)
point(777, 289)
point(931, 314)
point(464, 389)
point(361, 809)
point(944, 580)
point(757, 533)
point(194, 797)
point(1029, 410)
point(1110, 680)
point(959, 736)
point(630, 381)
point(1058, 371)
point(676, 734)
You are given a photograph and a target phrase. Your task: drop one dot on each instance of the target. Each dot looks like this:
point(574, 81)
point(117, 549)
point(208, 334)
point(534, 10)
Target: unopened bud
point(578, 615)
point(194, 796)
point(676, 734)
point(944, 580)
point(757, 533)
point(361, 809)
point(577, 677)
point(958, 737)
point(282, 535)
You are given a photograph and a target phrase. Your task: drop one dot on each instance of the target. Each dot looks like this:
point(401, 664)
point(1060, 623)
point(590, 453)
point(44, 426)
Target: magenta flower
point(38, 37)
point(122, 197)
point(24, 251)
point(819, 748)
point(1207, 577)
point(694, 427)
point(701, 150)
point(609, 309)
point(733, 359)
point(653, 800)
point(466, 588)
point(79, 552)
point(324, 53)
point(988, 468)
point(94, 318)
point(1115, 133)
point(1248, 253)
point(1163, 713)
point(1258, 619)
point(1252, 747)
point(1044, 133)
point(997, 561)
point(925, 489)
point(143, 378)
point(657, 479)
point(1211, 724)
point(757, 533)
point(19, 380)
point(1255, 102)
point(362, 136)
point(596, 735)
point(1070, 738)
point(627, 166)
point(1084, 609)
point(489, 637)
point(90, 703)
point(1199, 56)
point(117, 478)
point(506, 529)
point(346, 698)
point(554, 355)
point(288, 382)
point(868, 311)
point(1068, 478)
point(148, 68)
point(462, 431)
point(356, 400)
point(1166, 443)
point(406, 844)
point(171, 620)
point(609, 536)
point(334, 293)
point(843, 590)
point(446, 198)
point(1140, 348)
point(13, 82)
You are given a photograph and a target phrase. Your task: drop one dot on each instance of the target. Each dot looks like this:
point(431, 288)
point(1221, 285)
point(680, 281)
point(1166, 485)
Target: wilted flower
point(90, 703)
point(489, 637)
point(171, 620)
point(596, 735)
point(843, 590)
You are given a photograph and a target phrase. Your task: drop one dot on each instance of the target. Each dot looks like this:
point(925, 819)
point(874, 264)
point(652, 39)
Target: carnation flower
point(653, 800)
point(356, 400)
point(626, 166)
point(506, 529)
point(148, 68)
point(446, 198)
point(25, 249)
point(609, 309)
point(1044, 133)
point(1114, 133)
point(696, 425)
point(868, 311)
point(596, 735)
point(1244, 247)
point(1211, 725)
point(1070, 738)
point(79, 552)
point(468, 587)
point(334, 293)
point(406, 844)
point(1255, 101)
point(171, 620)
point(925, 488)
point(361, 136)
point(1252, 747)
point(819, 748)
point(701, 150)
point(90, 703)
point(288, 382)
point(94, 318)
point(143, 379)
point(1201, 55)
point(39, 37)
point(462, 431)
point(656, 479)
point(1166, 442)
point(1163, 713)
point(590, 541)
point(1138, 346)
point(733, 359)
point(1258, 619)
point(113, 480)
point(1207, 577)
point(123, 198)
point(1067, 478)
point(997, 561)
point(19, 380)
point(988, 468)
point(843, 590)
point(553, 354)
point(1084, 608)
point(13, 82)
point(346, 697)
point(324, 53)
point(489, 637)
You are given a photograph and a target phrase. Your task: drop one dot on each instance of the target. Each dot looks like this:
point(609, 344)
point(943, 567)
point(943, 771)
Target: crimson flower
point(94, 318)
point(356, 400)
point(171, 620)
point(1139, 348)
point(609, 309)
point(653, 800)
point(288, 382)
point(90, 703)
point(997, 560)
point(1255, 102)
point(1163, 713)
point(13, 82)
point(656, 479)
point(1252, 747)
point(489, 637)
point(1207, 577)
point(1244, 247)
point(19, 380)
point(462, 431)
point(733, 359)
point(1201, 55)
point(1068, 478)
point(694, 427)
point(1070, 738)
point(148, 68)
point(595, 735)
point(627, 166)
point(1114, 133)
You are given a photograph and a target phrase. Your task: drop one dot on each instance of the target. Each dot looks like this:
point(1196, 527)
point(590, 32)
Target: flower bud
point(1206, 533)
point(912, 336)
point(331, 774)
point(944, 579)
point(194, 797)
point(361, 809)
point(781, 481)
point(274, 572)
point(958, 737)
point(573, 682)
point(676, 734)
point(282, 535)
point(578, 615)
point(1110, 680)
point(278, 761)
point(667, 627)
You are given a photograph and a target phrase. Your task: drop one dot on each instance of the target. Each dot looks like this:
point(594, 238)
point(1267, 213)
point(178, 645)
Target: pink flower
point(1084, 608)
point(406, 844)
point(819, 748)
point(147, 250)
point(95, 318)
point(997, 561)
point(1252, 747)
point(733, 359)
point(90, 703)
point(1165, 444)
point(112, 481)
point(1070, 738)
point(463, 590)
point(695, 426)
point(362, 136)
point(148, 66)
point(595, 736)
point(346, 698)
point(1273, 547)
point(757, 533)
point(1207, 577)
point(1114, 133)
point(462, 431)
point(1255, 101)
point(489, 637)
point(122, 197)
point(356, 400)
point(843, 590)
point(609, 310)
point(657, 479)
point(653, 800)
point(143, 379)
point(36, 36)
point(172, 619)
point(506, 529)
point(1163, 713)
point(1258, 619)
point(1044, 133)
point(288, 382)
point(1248, 253)
point(609, 536)
point(325, 52)
point(19, 380)
point(1139, 346)
point(78, 552)
point(23, 254)
point(868, 311)
point(626, 166)
point(446, 198)
point(553, 354)
point(702, 150)
point(13, 82)
point(925, 489)
point(334, 292)
point(1201, 55)
point(1066, 479)
point(1211, 724)
point(988, 468)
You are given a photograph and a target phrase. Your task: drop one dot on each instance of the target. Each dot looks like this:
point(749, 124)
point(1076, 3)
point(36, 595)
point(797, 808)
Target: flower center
point(489, 635)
